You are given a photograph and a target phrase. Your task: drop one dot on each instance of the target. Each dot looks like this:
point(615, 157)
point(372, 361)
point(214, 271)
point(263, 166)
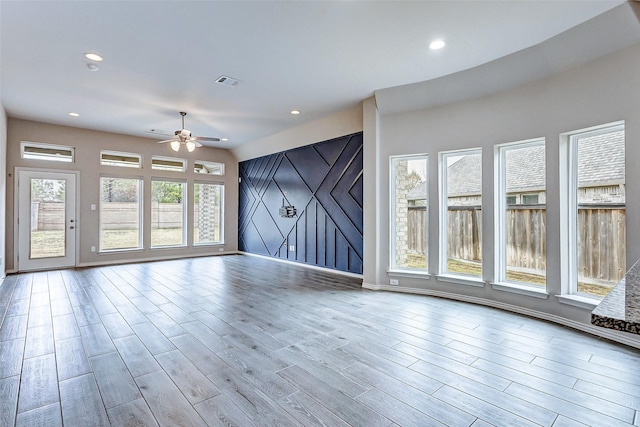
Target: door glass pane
point(47, 235)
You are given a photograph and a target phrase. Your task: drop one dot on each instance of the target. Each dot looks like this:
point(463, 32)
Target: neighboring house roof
point(600, 163)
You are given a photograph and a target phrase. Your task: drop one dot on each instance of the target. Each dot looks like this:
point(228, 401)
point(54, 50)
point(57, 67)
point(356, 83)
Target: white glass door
point(46, 220)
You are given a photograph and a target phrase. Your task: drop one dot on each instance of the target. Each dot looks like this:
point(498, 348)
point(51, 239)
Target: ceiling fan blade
point(166, 140)
point(206, 139)
point(158, 132)
point(198, 144)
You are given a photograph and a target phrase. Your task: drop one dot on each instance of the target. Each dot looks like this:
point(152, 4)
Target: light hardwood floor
point(239, 340)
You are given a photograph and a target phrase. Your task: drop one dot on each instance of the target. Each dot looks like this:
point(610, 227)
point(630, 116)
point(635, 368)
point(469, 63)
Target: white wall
point(3, 188)
point(603, 91)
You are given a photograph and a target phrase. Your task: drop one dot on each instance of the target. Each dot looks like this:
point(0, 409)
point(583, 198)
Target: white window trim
point(205, 162)
point(443, 224)
point(461, 279)
point(123, 154)
point(221, 185)
point(49, 158)
point(500, 206)
point(169, 159)
point(521, 289)
point(569, 213)
point(392, 215)
point(184, 213)
point(140, 216)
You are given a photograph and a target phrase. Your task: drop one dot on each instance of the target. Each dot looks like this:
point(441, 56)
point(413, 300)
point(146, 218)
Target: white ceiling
point(319, 57)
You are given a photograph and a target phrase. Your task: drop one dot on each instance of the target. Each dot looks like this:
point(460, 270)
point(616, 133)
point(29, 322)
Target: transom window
point(116, 158)
point(49, 152)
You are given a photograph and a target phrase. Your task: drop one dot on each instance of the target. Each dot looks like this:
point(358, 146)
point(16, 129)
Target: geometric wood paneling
point(324, 183)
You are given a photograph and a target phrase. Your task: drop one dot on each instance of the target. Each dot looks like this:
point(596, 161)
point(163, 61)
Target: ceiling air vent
point(227, 81)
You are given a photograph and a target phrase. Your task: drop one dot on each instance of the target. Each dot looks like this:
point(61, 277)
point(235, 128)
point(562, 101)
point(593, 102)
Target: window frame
point(443, 213)
point(569, 205)
point(71, 158)
point(500, 227)
point(202, 163)
point(122, 164)
point(221, 206)
point(184, 242)
point(140, 215)
point(155, 158)
point(392, 215)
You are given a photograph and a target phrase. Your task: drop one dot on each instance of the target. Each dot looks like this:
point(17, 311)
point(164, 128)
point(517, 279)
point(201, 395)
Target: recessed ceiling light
point(295, 112)
point(224, 139)
point(74, 114)
point(93, 56)
point(437, 44)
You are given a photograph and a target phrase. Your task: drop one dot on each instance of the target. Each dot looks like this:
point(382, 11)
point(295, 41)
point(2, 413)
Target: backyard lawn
point(461, 267)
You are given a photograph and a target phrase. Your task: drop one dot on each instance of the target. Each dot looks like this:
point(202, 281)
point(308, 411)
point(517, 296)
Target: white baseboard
point(301, 264)
point(631, 340)
point(150, 259)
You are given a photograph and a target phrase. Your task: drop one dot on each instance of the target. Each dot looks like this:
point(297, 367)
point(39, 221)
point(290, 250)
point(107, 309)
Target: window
point(597, 210)
point(167, 213)
point(521, 228)
point(50, 152)
point(168, 164)
point(120, 213)
point(461, 212)
point(114, 158)
point(210, 168)
point(207, 213)
point(409, 212)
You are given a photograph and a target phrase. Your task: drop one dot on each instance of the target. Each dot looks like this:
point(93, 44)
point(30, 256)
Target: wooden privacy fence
point(46, 216)
point(601, 237)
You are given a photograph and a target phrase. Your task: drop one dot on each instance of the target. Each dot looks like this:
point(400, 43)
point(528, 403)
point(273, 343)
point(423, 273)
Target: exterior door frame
point(16, 215)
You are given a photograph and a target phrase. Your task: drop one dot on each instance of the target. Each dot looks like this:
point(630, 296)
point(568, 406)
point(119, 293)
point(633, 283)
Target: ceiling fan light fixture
point(175, 145)
point(92, 56)
point(190, 146)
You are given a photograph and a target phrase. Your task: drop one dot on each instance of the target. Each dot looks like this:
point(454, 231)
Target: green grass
point(474, 269)
point(46, 244)
point(50, 243)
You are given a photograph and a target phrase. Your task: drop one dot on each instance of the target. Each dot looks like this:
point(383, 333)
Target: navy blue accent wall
point(323, 181)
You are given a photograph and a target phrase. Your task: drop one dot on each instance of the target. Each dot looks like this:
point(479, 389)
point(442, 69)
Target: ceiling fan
point(183, 136)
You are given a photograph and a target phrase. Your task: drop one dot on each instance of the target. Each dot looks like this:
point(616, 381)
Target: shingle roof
point(601, 162)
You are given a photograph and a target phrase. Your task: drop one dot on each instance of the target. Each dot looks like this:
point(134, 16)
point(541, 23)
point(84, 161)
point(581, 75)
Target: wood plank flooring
point(245, 341)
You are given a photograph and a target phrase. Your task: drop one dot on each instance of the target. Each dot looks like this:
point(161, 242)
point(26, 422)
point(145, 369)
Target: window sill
point(417, 274)
point(579, 301)
point(155, 248)
point(118, 251)
point(521, 290)
point(461, 280)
